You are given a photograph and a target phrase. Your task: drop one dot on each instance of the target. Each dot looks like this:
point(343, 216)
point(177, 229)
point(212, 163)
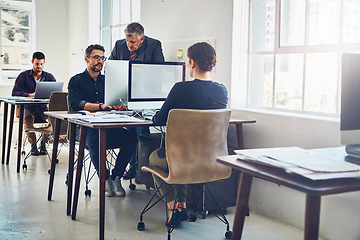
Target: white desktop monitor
point(150, 83)
point(350, 99)
point(116, 82)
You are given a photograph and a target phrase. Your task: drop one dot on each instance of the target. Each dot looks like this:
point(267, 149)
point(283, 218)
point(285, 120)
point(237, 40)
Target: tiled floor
point(25, 212)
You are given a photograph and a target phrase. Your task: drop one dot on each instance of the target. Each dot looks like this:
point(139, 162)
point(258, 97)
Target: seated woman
point(200, 93)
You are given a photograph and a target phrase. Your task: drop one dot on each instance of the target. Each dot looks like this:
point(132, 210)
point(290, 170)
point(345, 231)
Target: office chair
point(57, 102)
point(193, 141)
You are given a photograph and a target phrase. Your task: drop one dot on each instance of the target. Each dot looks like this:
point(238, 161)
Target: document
point(108, 118)
point(302, 162)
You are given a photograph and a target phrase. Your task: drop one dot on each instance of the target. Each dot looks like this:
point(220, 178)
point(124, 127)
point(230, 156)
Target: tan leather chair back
point(58, 102)
point(194, 139)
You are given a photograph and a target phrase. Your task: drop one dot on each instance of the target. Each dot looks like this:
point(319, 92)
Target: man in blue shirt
point(25, 85)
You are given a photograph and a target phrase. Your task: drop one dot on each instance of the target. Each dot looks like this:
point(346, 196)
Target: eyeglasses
point(97, 57)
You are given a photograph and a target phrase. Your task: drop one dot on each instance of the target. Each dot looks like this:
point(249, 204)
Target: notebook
point(44, 89)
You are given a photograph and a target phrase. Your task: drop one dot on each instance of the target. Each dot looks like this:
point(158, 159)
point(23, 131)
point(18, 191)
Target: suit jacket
point(149, 51)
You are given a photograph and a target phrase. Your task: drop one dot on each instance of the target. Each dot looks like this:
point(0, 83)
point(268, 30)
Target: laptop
point(44, 89)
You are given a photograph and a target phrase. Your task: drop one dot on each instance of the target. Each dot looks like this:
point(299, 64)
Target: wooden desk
point(313, 190)
point(102, 157)
point(21, 104)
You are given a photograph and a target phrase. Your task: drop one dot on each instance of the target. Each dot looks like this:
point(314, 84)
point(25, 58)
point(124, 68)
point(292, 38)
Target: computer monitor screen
point(350, 99)
point(116, 82)
point(150, 83)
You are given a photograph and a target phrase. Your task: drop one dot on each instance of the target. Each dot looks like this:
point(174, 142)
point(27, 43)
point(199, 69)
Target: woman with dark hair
point(199, 93)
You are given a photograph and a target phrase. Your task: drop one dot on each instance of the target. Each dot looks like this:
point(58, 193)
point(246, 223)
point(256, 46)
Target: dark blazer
point(149, 51)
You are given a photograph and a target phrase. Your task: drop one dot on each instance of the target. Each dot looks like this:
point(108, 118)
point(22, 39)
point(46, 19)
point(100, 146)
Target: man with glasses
point(86, 92)
point(25, 85)
point(137, 47)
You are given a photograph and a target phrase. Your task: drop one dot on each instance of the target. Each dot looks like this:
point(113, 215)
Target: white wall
point(52, 36)
point(186, 20)
point(78, 28)
point(62, 33)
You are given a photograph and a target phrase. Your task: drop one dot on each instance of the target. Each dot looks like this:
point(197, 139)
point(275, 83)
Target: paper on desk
point(301, 161)
point(108, 118)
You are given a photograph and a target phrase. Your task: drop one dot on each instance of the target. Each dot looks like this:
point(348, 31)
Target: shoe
point(175, 219)
point(43, 150)
point(34, 151)
point(130, 174)
point(184, 216)
point(118, 189)
point(109, 188)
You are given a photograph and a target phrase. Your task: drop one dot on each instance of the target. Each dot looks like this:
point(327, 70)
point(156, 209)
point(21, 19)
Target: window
point(16, 39)
point(115, 16)
point(294, 52)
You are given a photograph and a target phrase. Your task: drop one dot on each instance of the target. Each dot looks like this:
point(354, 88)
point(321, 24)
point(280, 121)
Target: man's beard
point(96, 69)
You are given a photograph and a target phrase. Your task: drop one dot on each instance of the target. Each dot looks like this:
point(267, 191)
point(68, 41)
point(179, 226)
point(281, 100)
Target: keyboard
point(126, 112)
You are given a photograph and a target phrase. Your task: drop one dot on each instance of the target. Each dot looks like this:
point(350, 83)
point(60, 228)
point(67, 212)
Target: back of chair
point(58, 102)
point(194, 139)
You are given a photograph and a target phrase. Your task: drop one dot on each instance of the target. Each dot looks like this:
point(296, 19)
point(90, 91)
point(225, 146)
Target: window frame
point(28, 6)
point(111, 28)
point(242, 55)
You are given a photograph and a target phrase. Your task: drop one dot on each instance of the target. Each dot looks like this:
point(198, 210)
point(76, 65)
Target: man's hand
point(31, 94)
point(119, 108)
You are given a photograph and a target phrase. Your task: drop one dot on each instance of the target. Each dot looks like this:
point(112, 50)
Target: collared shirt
point(25, 83)
point(83, 88)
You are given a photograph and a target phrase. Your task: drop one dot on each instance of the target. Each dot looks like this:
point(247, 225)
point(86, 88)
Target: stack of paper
point(301, 161)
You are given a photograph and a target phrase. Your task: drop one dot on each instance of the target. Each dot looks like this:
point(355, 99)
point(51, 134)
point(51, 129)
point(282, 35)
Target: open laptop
point(44, 89)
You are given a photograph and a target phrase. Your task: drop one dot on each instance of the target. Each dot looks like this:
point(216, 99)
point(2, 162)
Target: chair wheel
point(56, 160)
point(88, 193)
point(66, 182)
point(132, 186)
point(23, 153)
point(204, 214)
point(49, 171)
point(228, 234)
point(24, 166)
point(141, 226)
point(192, 217)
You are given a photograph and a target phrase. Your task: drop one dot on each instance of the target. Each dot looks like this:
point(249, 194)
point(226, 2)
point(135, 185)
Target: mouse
point(83, 112)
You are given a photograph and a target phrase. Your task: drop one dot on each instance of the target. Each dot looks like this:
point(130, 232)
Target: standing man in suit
point(137, 47)
point(25, 85)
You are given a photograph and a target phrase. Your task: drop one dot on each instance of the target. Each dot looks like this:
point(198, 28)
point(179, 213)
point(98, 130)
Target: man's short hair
point(38, 55)
point(134, 28)
point(92, 47)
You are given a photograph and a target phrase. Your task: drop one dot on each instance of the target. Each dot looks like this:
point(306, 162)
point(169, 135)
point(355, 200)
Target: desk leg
point(102, 176)
point(80, 160)
point(54, 156)
point(72, 134)
point(6, 106)
point(241, 205)
point(12, 113)
point(312, 217)
point(240, 135)
point(21, 121)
